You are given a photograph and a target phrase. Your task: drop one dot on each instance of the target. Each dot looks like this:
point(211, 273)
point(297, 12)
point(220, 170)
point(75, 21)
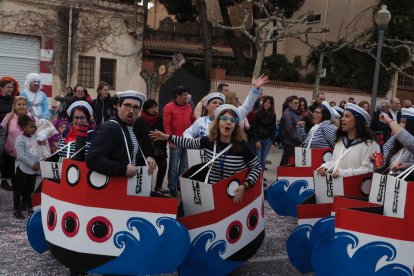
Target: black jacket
point(160, 147)
point(398, 116)
point(6, 104)
point(107, 154)
point(264, 126)
point(101, 110)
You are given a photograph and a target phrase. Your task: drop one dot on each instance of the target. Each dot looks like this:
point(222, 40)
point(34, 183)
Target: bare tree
point(267, 32)
point(154, 80)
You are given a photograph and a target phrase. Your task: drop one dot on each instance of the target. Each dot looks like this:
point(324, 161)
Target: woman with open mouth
point(322, 134)
point(226, 139)
point(354, 145)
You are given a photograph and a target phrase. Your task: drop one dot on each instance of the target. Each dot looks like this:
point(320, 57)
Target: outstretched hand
point(157, 135)
point(257, 83)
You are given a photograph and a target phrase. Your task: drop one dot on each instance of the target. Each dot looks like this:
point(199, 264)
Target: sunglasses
point(229, 119)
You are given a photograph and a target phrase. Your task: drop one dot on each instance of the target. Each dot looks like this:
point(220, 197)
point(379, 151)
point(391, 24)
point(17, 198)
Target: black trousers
point(288, 151)
point(8, 166)
point(23, 187)
point(162, 170)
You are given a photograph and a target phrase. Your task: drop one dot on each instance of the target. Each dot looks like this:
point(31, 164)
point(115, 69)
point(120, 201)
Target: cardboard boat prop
point(315, 218)
point(223, 234)
point(100, 224)
point(372, 239)
point(295, 183)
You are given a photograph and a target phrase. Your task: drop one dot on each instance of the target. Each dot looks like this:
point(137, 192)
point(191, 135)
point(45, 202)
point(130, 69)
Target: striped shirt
point(324, 135)
point(134, 144)
point(403, 155)
point(227, 164)
point(72, 147)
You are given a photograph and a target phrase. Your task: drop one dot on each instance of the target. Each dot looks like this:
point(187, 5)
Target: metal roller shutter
point(19, 56)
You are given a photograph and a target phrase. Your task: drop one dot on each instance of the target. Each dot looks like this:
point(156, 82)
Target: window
point(108, 71)
point(406, 81)
point(86, 71)
point(314, 18)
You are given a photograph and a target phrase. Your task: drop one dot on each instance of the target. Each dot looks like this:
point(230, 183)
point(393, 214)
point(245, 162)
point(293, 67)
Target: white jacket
point(355, 158)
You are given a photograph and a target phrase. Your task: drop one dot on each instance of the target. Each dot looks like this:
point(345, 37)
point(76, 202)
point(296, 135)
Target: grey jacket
point(289, 134)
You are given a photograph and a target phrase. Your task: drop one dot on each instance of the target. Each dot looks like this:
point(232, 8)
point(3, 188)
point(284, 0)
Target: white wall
point(281, 91)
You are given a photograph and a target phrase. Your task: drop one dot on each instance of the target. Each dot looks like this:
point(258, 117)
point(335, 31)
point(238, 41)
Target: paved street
point(17, 257)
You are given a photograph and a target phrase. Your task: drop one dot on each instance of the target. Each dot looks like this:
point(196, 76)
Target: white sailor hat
point(213, 96)
point(131, 94)
point(219, 110)
point(407, 113)
point(339, 111)
point(78, 104)
point(325, 105)
point(358, 112)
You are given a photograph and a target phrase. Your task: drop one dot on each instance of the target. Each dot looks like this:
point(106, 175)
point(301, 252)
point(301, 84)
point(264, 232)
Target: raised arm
point(254, 93)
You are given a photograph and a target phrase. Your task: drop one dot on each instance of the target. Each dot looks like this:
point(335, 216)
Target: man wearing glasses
point(178, 116)
point(37, 102)
point(114, 149)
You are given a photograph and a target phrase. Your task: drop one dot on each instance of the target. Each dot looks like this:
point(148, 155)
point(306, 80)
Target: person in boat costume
point(73, 139)
point(399, 149)
point(225, 137)
point(354, 144)
point(322, 134)
point(210, 102)
point(114, 148)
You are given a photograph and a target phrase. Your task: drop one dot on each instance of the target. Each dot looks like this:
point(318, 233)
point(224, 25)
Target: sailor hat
point(407, 113)
point(325, 105)
point(78, 104)
point(222, 108)
point(213, 96)
point(339, 111)
point(131, 94)
point(358, 112)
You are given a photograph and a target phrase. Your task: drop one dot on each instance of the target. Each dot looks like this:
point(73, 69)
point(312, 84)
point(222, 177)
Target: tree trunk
point(255, 15)
point(206, 37)
point(274, 48)
point(259, 60)
point(231, 37)
point(318, 76)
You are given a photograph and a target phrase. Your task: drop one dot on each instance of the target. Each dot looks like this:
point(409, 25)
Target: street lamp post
point(382, 18)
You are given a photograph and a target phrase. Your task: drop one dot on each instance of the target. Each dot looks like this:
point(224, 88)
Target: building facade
point(72, 42)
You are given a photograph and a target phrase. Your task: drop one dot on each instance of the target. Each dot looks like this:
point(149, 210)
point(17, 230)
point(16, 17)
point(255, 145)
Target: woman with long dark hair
point(399, 149)
point(263, 128)
point(289, 135)
point(354, 146)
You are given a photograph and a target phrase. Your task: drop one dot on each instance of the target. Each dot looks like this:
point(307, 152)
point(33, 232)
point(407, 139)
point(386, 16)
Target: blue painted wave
point(330, 257)
point(299, 248)
point(283, 199)
point(151, 253)
point(205, 262)
point(322, 228)
point(35, 233)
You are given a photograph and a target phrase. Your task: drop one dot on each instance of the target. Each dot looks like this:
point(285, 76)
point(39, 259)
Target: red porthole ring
point(70, 224)
point(252, 219)
point(99, 229)
point(234, 231)
point(51, 218)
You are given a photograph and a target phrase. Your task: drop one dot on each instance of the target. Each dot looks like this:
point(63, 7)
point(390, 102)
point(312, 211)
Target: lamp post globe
point(382, 18)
